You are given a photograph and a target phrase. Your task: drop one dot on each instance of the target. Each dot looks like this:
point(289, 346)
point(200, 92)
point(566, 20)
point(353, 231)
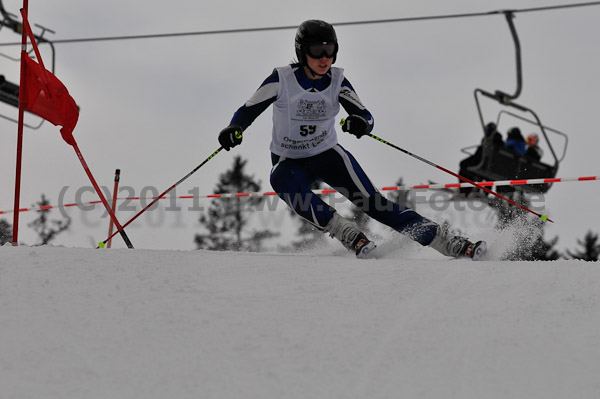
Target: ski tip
point(479, 250)
point(365, 250)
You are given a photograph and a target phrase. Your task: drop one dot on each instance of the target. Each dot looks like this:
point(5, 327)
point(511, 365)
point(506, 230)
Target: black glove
point(231, 136)
point(356, 125)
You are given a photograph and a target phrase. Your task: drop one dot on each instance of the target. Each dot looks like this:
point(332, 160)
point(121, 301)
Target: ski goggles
point(320, 50)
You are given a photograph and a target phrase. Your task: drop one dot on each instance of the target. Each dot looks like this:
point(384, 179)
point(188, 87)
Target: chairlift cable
point(289, 27)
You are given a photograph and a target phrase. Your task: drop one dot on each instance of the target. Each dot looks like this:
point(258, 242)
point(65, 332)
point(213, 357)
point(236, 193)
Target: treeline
point(226, 224)
point(47, 229)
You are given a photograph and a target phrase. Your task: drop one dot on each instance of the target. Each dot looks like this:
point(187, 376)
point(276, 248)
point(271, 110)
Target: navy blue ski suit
point(291, 178)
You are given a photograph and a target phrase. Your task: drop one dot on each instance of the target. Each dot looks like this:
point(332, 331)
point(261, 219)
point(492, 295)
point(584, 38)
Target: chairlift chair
point(500, 163)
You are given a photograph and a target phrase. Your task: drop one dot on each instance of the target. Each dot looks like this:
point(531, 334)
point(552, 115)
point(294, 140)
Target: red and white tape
point(332, 191)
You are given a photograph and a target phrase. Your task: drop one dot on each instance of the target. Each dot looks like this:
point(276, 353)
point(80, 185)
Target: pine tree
point(508, 213)
point(5, 232)
point(402, 197)
point(544, 250)
point(227, 218)
point(46, 229)
point(590, 250)
point(533, 245)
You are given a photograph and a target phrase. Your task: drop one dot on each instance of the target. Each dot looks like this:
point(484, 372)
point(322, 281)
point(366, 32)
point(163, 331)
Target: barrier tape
point(332, 191)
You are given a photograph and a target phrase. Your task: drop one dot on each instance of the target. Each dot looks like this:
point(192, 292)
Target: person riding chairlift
point(515, 141)
point(533, 149)
point(491, 138)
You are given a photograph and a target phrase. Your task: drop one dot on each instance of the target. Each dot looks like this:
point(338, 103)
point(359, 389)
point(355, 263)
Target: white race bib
point(304, 121)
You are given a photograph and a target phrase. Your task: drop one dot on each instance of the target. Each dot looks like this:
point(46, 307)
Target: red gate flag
point(43, 94)
point(49, 99)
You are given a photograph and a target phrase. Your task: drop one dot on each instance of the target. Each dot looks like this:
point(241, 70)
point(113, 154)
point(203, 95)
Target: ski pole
point(479, 186)
point(111, 225)
point(102, 243)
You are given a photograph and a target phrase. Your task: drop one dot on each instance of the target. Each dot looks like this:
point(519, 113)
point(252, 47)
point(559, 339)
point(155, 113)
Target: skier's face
point(319, 65)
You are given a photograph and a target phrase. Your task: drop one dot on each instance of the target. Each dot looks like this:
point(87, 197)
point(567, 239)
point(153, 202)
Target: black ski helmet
point(314, 31)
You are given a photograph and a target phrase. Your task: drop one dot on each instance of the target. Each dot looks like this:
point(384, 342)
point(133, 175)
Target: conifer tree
point(544, 250)
point(508, 213)
point(46, 229)
point(227, 218)
point(533, 245)
point(402, 197)
point(590, 250)
point(5, 232)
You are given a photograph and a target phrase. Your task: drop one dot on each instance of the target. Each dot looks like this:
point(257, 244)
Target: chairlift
point(500, 163)
point(9, 92)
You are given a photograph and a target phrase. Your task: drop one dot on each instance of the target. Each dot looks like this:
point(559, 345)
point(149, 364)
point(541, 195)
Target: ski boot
point(350, 236)
point(455, 246)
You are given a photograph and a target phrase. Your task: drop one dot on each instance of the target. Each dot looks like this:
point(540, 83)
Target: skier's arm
point(353, 106)
point(260, 101)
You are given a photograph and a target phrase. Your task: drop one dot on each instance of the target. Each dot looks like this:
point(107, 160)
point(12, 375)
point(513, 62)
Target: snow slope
point(84, 323)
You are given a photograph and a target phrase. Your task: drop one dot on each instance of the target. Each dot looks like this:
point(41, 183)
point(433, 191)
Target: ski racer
point(306, 97)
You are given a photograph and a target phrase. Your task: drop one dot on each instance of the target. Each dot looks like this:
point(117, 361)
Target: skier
point(306, 97)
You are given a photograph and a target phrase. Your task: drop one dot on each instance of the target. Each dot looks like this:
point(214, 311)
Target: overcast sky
point(153, 108)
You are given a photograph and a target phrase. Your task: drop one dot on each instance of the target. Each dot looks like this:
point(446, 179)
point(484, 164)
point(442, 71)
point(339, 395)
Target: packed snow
point(117, 323)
